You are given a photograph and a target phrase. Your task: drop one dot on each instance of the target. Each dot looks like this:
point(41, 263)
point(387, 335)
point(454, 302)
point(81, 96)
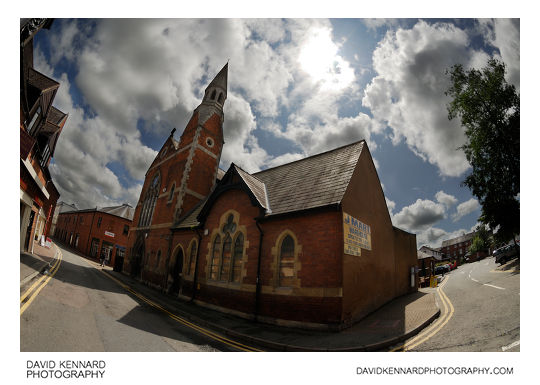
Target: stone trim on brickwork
point(173, 154)
point(160, 226)
point(217, 231)
point(195, 194)
point(206, 151)
point(275, 251)
point(188, 258)
point(185, 174)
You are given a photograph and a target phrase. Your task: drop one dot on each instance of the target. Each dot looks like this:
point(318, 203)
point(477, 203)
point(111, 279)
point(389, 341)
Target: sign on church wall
point(356, 235)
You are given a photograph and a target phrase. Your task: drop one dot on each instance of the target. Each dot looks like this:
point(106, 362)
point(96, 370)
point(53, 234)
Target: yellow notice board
point(356, 235)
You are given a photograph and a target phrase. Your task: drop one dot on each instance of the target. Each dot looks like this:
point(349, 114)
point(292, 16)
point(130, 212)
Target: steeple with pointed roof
point(214, 96)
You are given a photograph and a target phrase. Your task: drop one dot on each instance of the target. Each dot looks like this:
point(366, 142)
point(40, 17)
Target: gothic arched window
point(149, 203)
point(213, 97)
point(286, 262)
point(226, 258)
point(214, 262)
point(238, 251)
point(192, 257)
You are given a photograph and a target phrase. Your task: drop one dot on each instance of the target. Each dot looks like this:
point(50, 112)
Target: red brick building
point(456, 248)
point(309, 243)
point(97, 232)
point(40, 128)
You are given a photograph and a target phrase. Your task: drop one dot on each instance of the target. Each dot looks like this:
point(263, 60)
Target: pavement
point(394, 322)
point(36, 262)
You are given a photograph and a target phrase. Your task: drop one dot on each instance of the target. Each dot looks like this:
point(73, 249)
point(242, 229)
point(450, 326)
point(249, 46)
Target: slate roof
point(40, 81)
point(190, 220)
point(317, 181)
point(463, 238)
point(257, 187)
point(123, 211)
point(55, 116)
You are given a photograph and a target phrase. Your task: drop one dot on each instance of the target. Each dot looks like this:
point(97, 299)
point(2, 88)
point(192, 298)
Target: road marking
point(436, 327)
point(475, 280)
point(496, 287)
point(208, 333)
point(31, 298)
point(512, 345)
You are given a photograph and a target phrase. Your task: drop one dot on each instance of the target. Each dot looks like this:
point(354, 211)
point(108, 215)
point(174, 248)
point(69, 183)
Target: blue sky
point(296, 87)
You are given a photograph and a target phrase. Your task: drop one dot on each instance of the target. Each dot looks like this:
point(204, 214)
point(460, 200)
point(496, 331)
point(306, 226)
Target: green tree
point(481, 240)
point(488, 108)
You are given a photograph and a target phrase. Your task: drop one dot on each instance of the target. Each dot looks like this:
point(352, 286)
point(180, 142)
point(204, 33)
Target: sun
point(319, 58)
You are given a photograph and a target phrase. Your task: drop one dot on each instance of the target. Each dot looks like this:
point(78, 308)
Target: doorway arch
point(136, 258)
point(177, 271)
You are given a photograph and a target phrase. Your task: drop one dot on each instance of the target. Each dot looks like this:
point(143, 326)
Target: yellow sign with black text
point(356, 235)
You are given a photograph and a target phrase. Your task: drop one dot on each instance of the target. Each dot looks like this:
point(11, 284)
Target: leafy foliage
point(488, 108)
point(482, 240)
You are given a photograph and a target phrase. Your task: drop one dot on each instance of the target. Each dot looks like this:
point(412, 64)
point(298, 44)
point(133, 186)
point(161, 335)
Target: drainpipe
point(169, 246)
point(258, 281)
point(196, 272)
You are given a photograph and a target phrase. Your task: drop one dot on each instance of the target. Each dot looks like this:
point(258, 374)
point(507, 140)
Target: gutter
point(195, 273)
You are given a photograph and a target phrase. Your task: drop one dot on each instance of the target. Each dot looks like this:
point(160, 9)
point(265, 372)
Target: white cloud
point(465, 208)
point(408, 92)
point(504, 34)
point(391, 205)
point(446, 199)
point(419, 216)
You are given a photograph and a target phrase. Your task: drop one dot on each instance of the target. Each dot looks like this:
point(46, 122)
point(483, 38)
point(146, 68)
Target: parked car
point(506, 253)
point(441, 269)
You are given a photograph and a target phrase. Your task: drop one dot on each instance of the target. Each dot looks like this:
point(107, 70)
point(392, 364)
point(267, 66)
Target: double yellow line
point(29, 295)
point(206, 332)
point(437, 325)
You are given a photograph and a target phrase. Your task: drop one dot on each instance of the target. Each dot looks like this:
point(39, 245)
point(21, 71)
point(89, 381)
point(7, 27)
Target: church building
point(307, 244)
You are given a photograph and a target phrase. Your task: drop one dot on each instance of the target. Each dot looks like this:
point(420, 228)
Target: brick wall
point(86, 225)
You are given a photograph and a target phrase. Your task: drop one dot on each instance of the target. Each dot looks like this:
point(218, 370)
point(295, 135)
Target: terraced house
point(40, 127)
point(309, 243)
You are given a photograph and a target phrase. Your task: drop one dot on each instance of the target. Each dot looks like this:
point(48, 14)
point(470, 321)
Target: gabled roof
point(257, 187)
point(56, 116)
point(317, 181)
point(124, 211)
point(40, 81)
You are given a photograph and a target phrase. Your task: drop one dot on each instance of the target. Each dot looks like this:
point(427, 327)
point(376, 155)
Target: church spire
point(220, 80)
point(216, 92)
point(214, 96)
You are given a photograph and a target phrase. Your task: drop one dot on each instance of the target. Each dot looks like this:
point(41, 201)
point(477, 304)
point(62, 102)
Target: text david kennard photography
point(65, 369)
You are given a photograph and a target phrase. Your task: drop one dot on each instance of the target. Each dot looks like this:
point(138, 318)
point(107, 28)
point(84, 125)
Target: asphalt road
point(485, 315)
point(81, 309)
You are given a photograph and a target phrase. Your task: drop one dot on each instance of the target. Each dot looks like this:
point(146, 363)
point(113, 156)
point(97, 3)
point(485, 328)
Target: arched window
point(158, 258)
point(286, 262)
point(192, 257)
point(220, 98)
point(213, 97)
point(214, 263)
point(149, 203)
point(171, 193)
point(225, 259)
point(237, 258)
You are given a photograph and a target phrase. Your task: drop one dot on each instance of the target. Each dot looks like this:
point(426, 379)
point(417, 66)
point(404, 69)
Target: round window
point(209, 142)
